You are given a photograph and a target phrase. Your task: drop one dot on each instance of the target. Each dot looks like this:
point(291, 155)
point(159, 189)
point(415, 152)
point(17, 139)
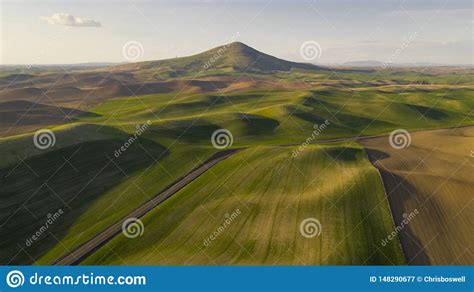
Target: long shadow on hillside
point(428, 112)
point(320, 110)
point(201, 130)
point(399, 192)
point(21, 116)
point(347, 123)
point(71, 179)
point(305, 115)
point(257, 125)
point(232, 99)
point(344, 154)
point(190, 130)
point(202, 105)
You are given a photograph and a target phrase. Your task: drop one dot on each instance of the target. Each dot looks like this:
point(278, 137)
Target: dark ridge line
point(84, 250)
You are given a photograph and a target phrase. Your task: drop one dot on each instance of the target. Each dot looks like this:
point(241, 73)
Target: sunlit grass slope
point(178, 138)
point(269, 117)
point(82, 176)
point(272, 192)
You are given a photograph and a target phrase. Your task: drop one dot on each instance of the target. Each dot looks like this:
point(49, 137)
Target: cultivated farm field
point(123, 134)
point(433, 175)
point(334, 183)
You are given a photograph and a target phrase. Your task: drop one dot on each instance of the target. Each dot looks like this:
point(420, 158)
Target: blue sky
point(401, 31)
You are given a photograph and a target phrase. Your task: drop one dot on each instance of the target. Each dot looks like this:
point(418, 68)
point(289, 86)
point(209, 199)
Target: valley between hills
point(274, 169)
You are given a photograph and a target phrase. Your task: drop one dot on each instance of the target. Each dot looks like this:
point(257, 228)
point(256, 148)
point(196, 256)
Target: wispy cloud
point(70, 20)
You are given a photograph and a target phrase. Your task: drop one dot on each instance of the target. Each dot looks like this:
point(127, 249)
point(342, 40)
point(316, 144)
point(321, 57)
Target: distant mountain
point(426, 64)
point(363, 63)
point(235, 56)
point(379, 64)
point(65, 66)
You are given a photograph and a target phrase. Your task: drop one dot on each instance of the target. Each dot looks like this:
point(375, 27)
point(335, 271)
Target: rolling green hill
point(231, 57)
point(335, 185)
point(274, 106)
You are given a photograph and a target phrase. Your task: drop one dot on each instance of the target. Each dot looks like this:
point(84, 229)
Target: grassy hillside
point(277, 116)
point(334, 184)
point(231, 57)
point(181, 127)
point(84, 179)
point(274, 103)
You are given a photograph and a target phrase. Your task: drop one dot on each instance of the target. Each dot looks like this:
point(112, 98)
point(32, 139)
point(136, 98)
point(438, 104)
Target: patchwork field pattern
point(122, 134)
point(274, 193)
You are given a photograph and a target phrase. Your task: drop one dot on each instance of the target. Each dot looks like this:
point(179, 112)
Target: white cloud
point(70, 20)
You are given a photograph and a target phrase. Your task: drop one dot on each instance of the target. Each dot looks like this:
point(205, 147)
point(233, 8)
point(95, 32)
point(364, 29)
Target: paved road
point(77, 255)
